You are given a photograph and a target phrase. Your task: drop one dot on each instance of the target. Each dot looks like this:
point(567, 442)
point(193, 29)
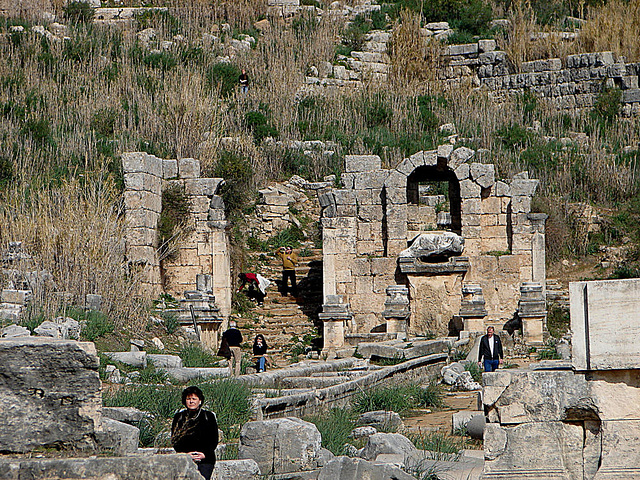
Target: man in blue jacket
point(490, 350)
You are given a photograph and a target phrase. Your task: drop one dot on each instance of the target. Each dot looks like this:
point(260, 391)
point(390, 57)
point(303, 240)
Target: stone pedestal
point(396, 310)
point(532, 310)
point(206, 313)
point(334, 315)
point(472, 308)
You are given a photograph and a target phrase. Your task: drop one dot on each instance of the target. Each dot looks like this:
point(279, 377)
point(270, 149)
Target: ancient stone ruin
point(461, 260)
point(200, 265)
point(575, 420)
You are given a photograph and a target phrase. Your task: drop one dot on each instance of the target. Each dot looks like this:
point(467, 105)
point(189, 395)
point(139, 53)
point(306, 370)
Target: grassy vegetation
point(334, 426)
point(398, 398)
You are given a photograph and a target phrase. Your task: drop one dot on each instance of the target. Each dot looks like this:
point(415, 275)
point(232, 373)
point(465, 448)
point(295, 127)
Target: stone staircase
point(557, 293)
point(282, 319)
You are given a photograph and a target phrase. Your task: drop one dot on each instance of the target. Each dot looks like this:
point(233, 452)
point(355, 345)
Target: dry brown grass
point(74, 232)
point(613, 27)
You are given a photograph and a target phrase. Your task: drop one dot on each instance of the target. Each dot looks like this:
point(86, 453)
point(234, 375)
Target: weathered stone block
point(370, 180)
point(486, 45)
point(282, 445)
point(460, 156)
point(362, 163)
point(345, 468)
point(469, 189)
point(483, 174)
point(605, 306)
point(236, 469)
point(143, 181)
point(383, 266)
point(202, 186)
point(169, 169)
point(188, 168)
point(142, 199)
point(463, 171)
point(49, 394)
point(20, 297)
point(524, 187)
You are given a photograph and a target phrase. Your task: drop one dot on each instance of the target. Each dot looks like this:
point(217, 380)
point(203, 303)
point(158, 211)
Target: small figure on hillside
point(491, 350)
point(257, 286)
point(289, 262)
point(195, 431)
point(234, 339)
point(243, 79)
point(260, 352)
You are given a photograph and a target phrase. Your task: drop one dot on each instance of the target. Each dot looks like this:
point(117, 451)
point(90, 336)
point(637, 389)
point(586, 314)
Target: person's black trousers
point(286, 276)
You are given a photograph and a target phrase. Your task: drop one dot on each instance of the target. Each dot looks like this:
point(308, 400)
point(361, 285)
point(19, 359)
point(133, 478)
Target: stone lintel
point(415, 266)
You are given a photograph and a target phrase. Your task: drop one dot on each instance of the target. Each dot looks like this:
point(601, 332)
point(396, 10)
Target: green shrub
point(398, 398)
point(97, 324)
point(230, 400)
point(6, 169)
point(440, 445)
point(104, 121)
point(514, 136)
point(39, 129)
point(194, 355)
point(174, 215)
point(150, 374)
point(171, 322)
point(290, 236)
point(238, 176)
point(558, 321)
point(79, 12)
point(549, 352)
point(334, 427)
point(160, 60)
point(260, 126)
point(607, 106)
point(223, 75)
point(475, 371)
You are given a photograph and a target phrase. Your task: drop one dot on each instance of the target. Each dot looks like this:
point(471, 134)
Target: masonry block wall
point(204, 250)
point(569, 83)
point(370, 221)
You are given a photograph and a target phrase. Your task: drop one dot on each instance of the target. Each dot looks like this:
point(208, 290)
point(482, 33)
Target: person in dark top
point(254, 290)
point(243, 79)
point(195, 431)
point(234, 340)
point(259, 351)
point(490, 350)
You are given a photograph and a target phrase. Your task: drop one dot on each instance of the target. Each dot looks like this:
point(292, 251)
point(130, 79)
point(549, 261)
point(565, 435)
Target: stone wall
point(204, 248)
point(24, 8)
point(371, 220)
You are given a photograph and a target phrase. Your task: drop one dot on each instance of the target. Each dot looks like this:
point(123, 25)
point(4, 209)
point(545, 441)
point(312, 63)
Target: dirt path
point(426, 421)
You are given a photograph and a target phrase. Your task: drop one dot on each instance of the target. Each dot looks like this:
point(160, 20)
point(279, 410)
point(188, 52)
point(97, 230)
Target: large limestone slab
point(152, 467)
point(49, 394)
point(605, 321)
point(282, 445)
point(345, 468)
point(544, 451)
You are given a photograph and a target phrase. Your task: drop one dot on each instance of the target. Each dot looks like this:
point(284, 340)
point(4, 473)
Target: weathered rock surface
point(118, 437)
point(388, 443)
point(345, 468)
point(152, 467)
point(128, 415)
point(55, 385)
point(236, 469)
point(380, 419)
point(282, 445)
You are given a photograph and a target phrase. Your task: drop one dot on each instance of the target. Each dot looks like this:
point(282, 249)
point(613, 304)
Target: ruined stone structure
point(579, 420)
point(369, 223)
point(204, 248)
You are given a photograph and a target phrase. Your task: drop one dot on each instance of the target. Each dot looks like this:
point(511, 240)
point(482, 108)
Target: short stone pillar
point(532, 310)
point(396, 310)
point(334, 315)
point(472, 308)
point(203, 307)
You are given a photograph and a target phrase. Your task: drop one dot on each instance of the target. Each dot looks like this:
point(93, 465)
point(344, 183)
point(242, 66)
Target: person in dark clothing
point(195, 431)
point(254, 290)
point(259, 351)
point(243, 79)
point(234, 340)
point(490, 350)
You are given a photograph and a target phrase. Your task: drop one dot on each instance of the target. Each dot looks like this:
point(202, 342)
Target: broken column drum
point(472, 308)
point(532, 310)
point(335, 313)
point(397, 310)
point(369, 223)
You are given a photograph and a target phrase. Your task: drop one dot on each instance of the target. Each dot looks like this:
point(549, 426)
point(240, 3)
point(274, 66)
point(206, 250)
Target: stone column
point(472, 308)
point(538, 256)
point(532, 310)
point(334, 315)
point(206, 312)
point(397, 310)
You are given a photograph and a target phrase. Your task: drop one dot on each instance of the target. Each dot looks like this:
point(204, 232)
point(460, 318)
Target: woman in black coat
point(195, 431)
point(259, 351)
